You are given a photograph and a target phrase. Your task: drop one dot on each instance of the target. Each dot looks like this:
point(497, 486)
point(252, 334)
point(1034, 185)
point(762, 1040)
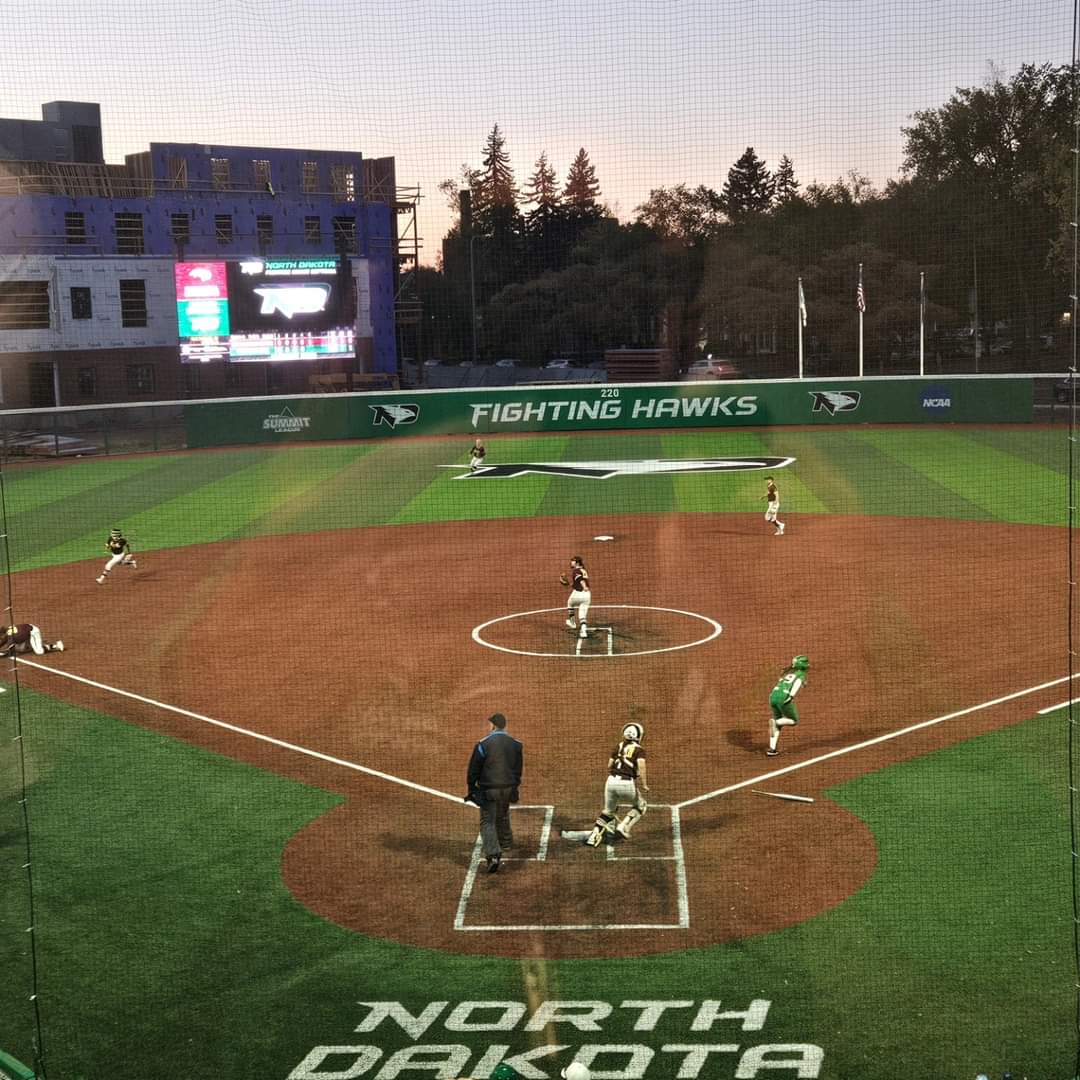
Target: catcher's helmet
point(505, 1072)
point(575, 1071)
point(800, 663)
point(635, 732)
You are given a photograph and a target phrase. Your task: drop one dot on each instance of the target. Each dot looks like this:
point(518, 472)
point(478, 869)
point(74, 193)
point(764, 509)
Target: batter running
point(782, 701)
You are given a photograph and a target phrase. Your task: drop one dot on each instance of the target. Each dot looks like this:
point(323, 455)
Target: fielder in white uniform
point(626, 785)
point(24, 638)
point(772, 505)
point(580, 596)
point(119, 553)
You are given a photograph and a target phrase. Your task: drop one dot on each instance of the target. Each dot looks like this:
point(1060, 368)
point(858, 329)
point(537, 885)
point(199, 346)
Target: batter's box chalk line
point(676, 858)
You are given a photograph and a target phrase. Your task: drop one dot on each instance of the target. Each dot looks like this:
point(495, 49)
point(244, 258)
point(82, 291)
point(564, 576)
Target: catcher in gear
point(782, 701)
point(626, 785)
point(26, 637)
point(120, 553)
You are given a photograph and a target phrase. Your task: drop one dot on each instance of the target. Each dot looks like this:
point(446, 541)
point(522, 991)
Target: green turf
point(166, 938)
point(59, 514)
point(168, 944)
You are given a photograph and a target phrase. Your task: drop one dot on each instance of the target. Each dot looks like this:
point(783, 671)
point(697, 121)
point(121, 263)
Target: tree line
point(981, 210)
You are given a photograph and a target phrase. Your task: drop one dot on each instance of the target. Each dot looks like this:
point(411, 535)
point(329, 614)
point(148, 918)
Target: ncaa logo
point(936, 398)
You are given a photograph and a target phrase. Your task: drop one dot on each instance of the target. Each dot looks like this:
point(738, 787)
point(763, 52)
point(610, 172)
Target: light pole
point(472, 293)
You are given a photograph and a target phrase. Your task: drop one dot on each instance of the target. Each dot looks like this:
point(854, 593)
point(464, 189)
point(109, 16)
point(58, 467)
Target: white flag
point(802, 304)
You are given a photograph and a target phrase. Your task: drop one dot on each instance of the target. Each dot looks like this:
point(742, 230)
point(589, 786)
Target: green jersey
point(791, 682)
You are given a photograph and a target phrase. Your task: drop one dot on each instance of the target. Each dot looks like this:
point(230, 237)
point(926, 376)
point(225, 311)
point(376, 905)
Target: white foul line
point(1054, 708)
point(872, 742)
point(245, 731)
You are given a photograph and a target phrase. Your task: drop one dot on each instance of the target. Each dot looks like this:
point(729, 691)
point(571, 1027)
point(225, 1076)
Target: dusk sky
point(658, 93)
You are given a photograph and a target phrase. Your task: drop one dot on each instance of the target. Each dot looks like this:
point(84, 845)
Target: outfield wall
point(596, 408)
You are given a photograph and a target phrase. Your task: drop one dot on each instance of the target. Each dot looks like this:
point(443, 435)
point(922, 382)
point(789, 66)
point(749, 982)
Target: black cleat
point(493, 862)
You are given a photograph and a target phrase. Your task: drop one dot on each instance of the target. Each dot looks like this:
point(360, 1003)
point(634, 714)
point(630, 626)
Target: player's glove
point(563, 579)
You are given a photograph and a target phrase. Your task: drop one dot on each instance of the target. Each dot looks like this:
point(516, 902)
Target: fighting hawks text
point(518, 412)
point(688, 1040)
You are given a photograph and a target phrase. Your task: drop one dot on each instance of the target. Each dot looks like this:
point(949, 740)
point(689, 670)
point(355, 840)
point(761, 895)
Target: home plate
point(603, 537)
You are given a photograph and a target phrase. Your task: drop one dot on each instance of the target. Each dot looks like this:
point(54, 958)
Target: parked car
point(506, 362)
point(712, 369)
point(559, 364)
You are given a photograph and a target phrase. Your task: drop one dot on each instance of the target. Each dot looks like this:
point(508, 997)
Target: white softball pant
point(619, 791)
point(580, 599)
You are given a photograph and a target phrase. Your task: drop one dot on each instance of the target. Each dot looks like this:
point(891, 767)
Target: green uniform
point(782, 698)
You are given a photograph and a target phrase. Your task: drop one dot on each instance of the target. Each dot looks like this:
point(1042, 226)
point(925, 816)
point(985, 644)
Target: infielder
point(782, 701)
point(477, 453)
point(24, 638)
point(119, 553)
point(772, 507)
point(580, 596)
point(626, 785)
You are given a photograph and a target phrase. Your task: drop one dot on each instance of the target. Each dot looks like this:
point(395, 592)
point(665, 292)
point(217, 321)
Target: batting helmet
point(505, 1072)
point(575, 1071)
point(114, 532)
point(800, 663)
point(635, 732)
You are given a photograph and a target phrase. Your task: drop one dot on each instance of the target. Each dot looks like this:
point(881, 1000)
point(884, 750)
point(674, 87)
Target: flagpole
point(861, 306)
point(800, 307)
point(922, 322)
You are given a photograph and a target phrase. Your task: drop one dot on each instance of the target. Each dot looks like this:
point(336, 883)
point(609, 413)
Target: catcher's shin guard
point(632, 817)
point(605, 823)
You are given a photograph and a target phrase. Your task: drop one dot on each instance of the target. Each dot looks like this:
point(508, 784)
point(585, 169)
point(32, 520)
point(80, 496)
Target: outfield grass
point(169, 947)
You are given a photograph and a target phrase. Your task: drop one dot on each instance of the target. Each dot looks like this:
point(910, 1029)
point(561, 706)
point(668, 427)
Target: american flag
point(860, 297)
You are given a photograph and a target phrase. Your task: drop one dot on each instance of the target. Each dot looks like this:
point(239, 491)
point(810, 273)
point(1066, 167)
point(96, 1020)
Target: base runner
point(772, 505)
point(782, 701)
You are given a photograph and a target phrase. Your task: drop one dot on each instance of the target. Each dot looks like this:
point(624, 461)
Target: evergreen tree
point(785, 186)
point(543, 194)
point(494, 189)
point(582, 190)
point(748, 189)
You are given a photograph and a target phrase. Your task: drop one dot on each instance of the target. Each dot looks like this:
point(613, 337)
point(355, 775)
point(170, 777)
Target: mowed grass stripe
point(369, 487)
point(218, 510)
point(26, 489)
point(1001, 485)
point(851, 475)
point(75, 527)
point(1046, 447)
point(448, 499)
point(568, 496)
point(734, 492)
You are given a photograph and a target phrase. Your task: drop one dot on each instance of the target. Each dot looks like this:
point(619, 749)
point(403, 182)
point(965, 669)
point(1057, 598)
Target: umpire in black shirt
point(494, 776)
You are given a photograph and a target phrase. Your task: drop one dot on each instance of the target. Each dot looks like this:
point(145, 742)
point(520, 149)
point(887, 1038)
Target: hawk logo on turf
point(605, 470)
point(393, 415)
point(834, 401)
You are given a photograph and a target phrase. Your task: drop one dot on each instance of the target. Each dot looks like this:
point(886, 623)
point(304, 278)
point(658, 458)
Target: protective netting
point(232, 829)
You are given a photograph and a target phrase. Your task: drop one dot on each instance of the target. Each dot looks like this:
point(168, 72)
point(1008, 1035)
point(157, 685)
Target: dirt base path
point(359, 646)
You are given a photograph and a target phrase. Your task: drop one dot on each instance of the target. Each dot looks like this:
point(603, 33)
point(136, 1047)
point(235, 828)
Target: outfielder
point(580, 596)
point(782, 701)
point(24, 638)
point(772, 505)
point(626, 785)
point(119, 553)
point(477, 453)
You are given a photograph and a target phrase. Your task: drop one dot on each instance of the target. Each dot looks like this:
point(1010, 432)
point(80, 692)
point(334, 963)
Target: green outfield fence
point(120, 429)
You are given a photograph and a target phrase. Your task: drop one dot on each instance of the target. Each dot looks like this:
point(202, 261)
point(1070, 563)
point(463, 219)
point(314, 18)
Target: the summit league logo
point(286, 421)
point(605, 470)
point(394, 415)
point(834, 401)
